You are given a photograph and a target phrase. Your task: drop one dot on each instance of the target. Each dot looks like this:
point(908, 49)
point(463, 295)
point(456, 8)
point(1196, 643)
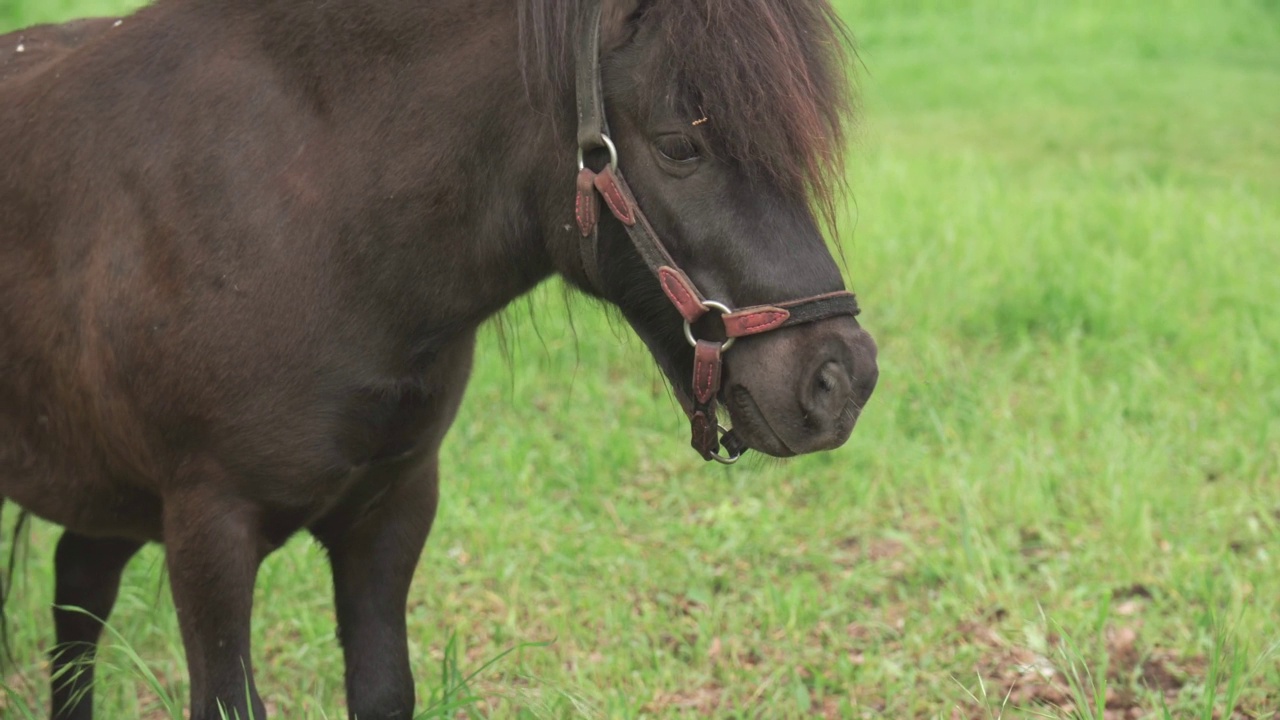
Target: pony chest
point(381, 422)
point(387, 417)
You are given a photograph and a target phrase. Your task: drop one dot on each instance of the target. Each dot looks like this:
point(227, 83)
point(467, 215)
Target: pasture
point(1062, 501)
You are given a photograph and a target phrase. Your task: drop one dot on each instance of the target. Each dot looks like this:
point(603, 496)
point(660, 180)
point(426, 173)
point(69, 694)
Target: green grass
point(1065, 495)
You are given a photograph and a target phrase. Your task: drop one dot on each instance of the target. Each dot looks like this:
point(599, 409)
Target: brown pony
point(245, 246)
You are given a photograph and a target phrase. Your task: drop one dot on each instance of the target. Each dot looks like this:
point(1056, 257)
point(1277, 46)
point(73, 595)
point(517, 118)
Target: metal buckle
point(709, 305)
point(721, 458)
point(608, 145)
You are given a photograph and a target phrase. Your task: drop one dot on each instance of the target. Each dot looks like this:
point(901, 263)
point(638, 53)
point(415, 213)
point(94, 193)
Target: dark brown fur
point(246, 245)
point(769, 77)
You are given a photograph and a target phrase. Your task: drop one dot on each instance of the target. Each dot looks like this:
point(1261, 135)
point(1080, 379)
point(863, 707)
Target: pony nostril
point(826, 383)
point(829, 391)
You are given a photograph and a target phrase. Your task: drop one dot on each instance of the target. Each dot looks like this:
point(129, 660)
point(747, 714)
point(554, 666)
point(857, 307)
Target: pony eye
point(677, 148)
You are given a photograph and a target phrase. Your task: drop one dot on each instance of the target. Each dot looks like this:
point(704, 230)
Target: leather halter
point(593, 135)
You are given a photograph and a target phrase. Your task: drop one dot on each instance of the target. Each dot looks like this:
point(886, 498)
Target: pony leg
point(213, 547)
point(373, 555)
point(87, 572)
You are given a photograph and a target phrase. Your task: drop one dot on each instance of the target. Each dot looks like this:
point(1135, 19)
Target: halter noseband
point(593, 135)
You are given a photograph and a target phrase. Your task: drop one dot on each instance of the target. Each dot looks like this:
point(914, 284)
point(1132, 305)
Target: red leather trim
point(617, 201)
point(754, 320)
point(586, 207)
point(681, 293)
point(706, 371)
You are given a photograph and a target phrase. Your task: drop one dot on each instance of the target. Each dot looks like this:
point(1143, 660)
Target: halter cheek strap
point(609, 185)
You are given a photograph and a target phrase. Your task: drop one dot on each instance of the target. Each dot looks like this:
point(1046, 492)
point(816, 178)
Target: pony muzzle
point(801, 390)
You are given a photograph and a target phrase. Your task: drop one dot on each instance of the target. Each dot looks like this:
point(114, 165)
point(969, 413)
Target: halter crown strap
point(592, 126)
point(592, 129)
point(609, 184)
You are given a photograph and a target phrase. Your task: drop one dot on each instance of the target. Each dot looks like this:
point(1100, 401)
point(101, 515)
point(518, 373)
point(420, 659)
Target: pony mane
point(769, 76)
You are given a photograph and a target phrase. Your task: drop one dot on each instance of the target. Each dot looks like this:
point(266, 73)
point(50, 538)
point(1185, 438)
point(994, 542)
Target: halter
point(593, 135)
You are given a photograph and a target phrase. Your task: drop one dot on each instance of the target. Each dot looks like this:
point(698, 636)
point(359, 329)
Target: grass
point(1063, 501)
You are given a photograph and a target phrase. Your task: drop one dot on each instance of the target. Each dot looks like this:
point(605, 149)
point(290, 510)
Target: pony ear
point(619, 21)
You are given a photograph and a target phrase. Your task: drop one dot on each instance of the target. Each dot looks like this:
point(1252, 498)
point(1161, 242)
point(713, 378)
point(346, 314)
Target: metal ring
point(608, 145)
point(709, 305)
point(720, 458)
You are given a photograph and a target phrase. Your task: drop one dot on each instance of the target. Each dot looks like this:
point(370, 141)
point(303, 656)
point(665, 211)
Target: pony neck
point(444, 174)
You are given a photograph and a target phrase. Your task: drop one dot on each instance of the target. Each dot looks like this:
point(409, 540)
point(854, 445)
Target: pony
point(247, 244)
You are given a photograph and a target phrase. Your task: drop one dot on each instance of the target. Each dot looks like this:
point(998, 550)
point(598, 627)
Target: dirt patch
point(872, 549)
point(698, 702)
point(1137, 677)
